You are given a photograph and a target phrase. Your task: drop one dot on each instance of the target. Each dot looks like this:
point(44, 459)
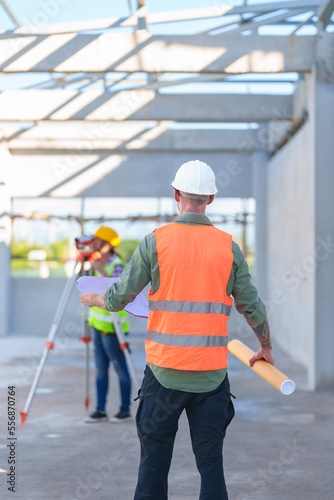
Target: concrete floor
point(277, 447)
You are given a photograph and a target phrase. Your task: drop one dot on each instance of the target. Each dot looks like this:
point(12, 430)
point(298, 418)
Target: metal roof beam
point(124, 52)
point(10, 13)
point(145, 105)
point(253, 24)
point(272, 6)
point(108, 175)
point(158, 138)
point(304, 23)
point(325, 12)
point(141, 15)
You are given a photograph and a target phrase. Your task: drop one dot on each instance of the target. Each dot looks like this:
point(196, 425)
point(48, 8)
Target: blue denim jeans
point(106, 351)
point(157, 417)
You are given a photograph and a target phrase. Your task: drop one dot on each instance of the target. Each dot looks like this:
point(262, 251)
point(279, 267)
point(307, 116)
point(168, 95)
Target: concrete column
point(324, 220)
point(259, 168)
point(5, 231)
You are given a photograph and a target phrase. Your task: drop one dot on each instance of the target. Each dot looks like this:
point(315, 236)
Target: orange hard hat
point(109, 235)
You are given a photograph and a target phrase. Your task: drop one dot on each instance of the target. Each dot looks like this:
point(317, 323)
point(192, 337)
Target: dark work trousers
point(107, 351)
point(159, 410)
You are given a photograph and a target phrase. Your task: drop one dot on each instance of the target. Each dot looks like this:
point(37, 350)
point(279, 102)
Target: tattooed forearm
point(263, 334)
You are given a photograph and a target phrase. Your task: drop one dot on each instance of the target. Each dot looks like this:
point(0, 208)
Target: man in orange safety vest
point(195, 269)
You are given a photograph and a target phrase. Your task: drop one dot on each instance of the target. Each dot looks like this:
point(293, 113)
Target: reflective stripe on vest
point(190, 307)
point(187, 323)
point(187, 340)
point(102, 319)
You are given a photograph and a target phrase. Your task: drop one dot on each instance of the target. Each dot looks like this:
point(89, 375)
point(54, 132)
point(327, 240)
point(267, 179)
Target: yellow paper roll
point(262, 368)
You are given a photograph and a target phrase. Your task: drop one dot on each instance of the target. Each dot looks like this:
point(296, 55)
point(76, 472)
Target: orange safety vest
point(187, 322)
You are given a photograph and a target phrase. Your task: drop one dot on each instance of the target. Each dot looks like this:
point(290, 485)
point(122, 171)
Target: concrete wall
point(301, 238)
point(34, 302)
point(324, 224)
point(259, 168)
point(290, 293)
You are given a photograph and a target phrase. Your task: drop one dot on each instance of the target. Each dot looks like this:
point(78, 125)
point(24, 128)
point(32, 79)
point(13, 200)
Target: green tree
point(20, 249)
point(60, 249)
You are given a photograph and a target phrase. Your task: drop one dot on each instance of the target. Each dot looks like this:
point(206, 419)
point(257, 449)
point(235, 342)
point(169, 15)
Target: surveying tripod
point(86, 339)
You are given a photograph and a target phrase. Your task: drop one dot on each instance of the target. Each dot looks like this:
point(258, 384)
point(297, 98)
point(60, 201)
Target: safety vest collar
point(193, 218)
point(190, 307)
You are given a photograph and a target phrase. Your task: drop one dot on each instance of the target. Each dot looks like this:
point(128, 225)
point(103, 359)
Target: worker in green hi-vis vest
point(106, 345)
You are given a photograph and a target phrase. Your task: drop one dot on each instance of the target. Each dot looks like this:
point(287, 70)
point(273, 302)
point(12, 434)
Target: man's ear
point(176, 195)
point(212, 197)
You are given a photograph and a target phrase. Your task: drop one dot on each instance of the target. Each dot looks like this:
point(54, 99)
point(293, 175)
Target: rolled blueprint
point(262, 368)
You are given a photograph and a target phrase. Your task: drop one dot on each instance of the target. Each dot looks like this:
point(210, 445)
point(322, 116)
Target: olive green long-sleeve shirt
point(144, 268)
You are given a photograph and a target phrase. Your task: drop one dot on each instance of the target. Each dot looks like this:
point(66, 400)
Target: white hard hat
point(195, 177)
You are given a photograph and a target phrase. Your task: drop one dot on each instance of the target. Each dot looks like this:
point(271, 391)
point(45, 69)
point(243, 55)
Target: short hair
point(201, 197)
